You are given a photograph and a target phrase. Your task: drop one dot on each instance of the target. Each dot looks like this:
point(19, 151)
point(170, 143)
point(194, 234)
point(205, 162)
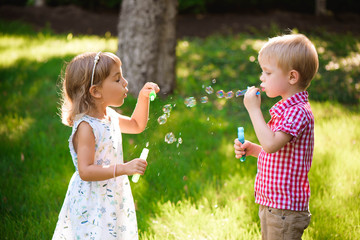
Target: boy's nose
point(262, 77)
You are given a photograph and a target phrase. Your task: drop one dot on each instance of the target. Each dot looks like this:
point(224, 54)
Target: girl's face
point(275, 82)
point(114, 87)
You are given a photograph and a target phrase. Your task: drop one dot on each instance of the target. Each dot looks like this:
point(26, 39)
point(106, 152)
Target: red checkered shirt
point(282, 177)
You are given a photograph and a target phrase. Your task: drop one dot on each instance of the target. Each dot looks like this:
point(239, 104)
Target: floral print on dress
point(99, 210)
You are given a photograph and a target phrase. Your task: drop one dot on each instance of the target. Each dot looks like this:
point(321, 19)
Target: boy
point(282, 188)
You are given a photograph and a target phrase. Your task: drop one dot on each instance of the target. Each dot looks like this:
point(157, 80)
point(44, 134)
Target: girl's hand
point(248, 148)
point(251, 100)
point(135, 166)
point(148, 87)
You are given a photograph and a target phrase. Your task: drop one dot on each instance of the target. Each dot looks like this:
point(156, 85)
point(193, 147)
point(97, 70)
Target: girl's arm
point(84, 144)
point(270, 141)
point(138, 121)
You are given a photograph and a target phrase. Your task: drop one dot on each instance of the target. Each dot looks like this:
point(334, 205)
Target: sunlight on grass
point(15, 48)
point(211, 217)
point(14, 126)
point(336, 161)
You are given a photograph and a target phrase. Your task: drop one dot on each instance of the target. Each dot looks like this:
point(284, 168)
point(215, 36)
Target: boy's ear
point(294, 77)
point(95, 92)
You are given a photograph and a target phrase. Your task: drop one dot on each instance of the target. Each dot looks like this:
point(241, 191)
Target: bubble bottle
point(144, 154)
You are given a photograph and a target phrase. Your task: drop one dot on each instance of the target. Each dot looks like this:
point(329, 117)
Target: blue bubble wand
point(241, 138)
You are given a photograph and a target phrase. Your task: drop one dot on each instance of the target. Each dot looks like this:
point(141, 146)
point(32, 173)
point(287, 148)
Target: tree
point(147, 41)
point(39, 3)
point(320, 7)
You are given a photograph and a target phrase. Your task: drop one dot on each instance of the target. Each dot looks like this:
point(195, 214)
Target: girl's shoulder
point(94, 123)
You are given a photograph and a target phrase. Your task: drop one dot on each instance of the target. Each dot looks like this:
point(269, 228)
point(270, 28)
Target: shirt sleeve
point(294, 122)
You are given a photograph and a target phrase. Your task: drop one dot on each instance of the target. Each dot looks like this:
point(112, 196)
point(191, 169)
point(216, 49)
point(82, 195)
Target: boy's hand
point(251, 100)
point(148, 87)
point(248, 148)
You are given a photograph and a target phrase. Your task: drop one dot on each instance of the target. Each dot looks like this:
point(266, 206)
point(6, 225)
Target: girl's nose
point(125, 82)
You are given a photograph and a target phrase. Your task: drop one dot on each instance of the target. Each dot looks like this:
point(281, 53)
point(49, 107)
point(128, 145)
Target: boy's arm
point(270, 141)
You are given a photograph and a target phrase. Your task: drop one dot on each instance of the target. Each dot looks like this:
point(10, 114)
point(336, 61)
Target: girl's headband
point(97, 57)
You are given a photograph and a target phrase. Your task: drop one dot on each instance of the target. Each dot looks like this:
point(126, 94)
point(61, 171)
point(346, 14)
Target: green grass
point(196, 190)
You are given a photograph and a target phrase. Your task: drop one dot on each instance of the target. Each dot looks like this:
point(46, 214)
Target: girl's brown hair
point(75, 97)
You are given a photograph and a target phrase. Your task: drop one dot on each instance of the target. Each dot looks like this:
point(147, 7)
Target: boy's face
point(275, 82)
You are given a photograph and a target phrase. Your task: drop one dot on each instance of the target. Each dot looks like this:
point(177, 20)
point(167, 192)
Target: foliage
point(214, 6)
point(196, 190)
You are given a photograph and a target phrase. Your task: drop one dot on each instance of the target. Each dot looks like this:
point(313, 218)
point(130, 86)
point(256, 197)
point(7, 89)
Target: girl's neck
point(96, 113)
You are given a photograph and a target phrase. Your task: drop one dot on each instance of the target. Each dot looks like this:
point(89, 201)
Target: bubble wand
point(242, 92)
point(152, 95)
point(241, 138)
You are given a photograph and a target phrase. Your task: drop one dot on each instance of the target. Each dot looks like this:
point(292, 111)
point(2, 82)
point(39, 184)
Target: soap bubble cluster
point(229, 94)
point(190, 102)
point(167, 108)
point(170, 138)
point(220, 93)
point(209, 90)
point(240, 92)
point(204, 99)
point(163, 118)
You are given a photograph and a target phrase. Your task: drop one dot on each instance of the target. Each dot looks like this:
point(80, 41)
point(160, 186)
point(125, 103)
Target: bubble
point(190, 102)
point(229, 94)
point(240, 93)
point(180, 141)
point(213, 81)
point(167, 108)
point(209, 90)
point(162, 119)
point(204, 99)
point(220, 94)
point(147, 144)
point(170, 138)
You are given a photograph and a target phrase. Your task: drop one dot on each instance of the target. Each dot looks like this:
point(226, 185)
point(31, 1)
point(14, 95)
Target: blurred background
point(193, 188)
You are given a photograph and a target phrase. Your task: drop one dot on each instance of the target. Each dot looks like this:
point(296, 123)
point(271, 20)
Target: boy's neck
point(291, 92)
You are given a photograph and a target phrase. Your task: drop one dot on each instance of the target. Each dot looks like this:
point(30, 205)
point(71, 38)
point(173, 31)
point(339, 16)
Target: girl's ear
point(95, 92)
point(294, 77)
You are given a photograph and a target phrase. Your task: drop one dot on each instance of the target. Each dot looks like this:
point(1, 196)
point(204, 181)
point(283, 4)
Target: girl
point(99, 203)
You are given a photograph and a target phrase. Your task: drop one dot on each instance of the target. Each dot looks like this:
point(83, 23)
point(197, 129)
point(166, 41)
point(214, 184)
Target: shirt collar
point(280, 106)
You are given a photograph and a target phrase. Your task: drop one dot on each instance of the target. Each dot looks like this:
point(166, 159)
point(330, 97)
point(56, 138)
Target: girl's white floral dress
point(100, 209)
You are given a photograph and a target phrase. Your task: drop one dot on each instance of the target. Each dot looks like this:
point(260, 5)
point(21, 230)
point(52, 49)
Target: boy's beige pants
point(280, 224)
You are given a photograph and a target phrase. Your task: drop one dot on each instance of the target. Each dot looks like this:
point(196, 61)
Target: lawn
point(193, 190)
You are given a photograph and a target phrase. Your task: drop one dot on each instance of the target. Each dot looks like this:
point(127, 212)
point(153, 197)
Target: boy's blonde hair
point(293, 52)
point(76, 81)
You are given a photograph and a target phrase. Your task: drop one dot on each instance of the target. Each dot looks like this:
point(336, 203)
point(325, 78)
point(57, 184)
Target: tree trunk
point(39, 3)
point(147, 41)
point(320, 7)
